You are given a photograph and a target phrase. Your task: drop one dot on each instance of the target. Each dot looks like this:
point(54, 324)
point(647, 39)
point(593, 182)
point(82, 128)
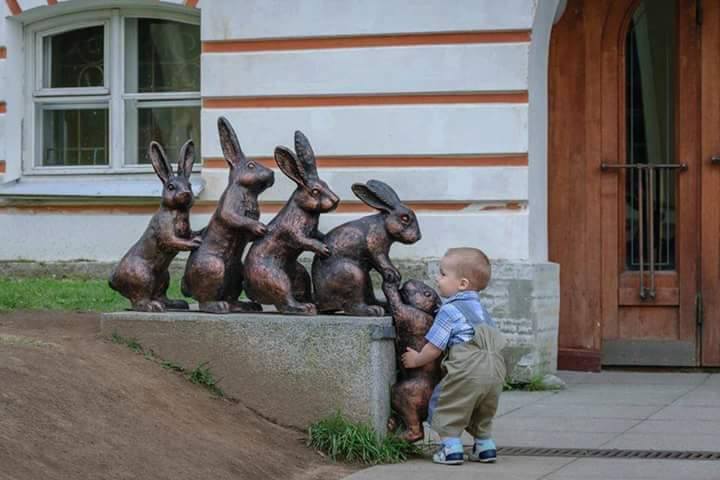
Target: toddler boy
point(467, 397)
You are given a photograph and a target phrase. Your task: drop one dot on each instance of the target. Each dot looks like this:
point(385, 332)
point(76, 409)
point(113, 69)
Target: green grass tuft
point(355, 442)
point(66, 294)
point(202, 375)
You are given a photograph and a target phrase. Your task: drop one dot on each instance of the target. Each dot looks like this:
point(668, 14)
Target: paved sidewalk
point(609, 410)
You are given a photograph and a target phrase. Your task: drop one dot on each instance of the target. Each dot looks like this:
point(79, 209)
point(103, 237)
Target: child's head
point(463, 269)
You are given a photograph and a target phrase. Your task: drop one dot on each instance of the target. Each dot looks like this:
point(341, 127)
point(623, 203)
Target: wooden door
point(624, 100)
point(650, 187)
point(709, 327)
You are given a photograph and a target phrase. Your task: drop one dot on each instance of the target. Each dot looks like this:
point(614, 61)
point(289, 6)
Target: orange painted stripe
point(3, 107)
point(2, 166)
point(3, 53)
point(191, 3)
point(355, 100)
point(510, 160)
point(52, 2)
point(208, 207)
point(364, 41)
point(14, 7)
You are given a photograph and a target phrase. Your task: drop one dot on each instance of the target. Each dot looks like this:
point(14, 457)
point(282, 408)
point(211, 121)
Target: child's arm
point(414, 359)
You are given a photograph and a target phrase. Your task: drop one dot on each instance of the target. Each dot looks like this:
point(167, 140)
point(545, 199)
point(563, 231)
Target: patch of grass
point(18, 341)
point(172, 366)
point(202, 375)
point(66, 294)
point(356, 442)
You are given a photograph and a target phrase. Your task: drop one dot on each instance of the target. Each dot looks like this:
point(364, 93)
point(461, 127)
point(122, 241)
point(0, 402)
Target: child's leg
point(455, 402)
point(480, 426)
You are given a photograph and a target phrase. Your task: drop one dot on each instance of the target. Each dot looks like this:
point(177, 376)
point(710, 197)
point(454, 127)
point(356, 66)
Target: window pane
point(168, 56)
point(651, 56)
point(75, 137)
point(170, 126)
point(75, 58)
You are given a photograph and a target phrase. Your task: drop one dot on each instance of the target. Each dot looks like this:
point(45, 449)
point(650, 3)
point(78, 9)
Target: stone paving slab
point(640, 412)
point(676, 427)
point(507, 468)
point(541, 424)
point(518, 438)
point(618, 395)
point(634, 378)
point(704, 396)
point(655, 441)
point(688, 413)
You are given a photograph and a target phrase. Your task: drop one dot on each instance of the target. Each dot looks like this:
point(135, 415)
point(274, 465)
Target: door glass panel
point(651, 48)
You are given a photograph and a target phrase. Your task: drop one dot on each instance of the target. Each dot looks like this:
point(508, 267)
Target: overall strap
point(471, 315)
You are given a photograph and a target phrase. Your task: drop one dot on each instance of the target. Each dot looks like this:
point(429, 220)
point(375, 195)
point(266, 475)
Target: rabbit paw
point(259, 229)
point(214, 307)
point(391, 275)
point(149, 306)
point(323, 251)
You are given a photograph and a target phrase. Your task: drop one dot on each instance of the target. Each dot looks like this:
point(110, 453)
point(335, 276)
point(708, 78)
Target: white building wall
point(480, 203)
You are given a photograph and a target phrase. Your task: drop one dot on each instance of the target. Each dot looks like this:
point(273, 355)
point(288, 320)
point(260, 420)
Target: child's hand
point(409, 358)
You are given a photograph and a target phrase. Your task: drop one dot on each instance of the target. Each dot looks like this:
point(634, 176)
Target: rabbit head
point(420, 295)
point(400, 221)
point(243, 171)
point(312, 194)
point(177, 190)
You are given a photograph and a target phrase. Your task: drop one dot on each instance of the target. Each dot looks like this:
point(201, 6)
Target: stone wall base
point(293, 370)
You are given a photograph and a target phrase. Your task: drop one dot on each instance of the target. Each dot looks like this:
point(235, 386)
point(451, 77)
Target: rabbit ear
point(228, 141)
point(289, 164)
point(377, 194)
point(305, 155)
point(369, 198)
point(159, 161)
point(186, 159)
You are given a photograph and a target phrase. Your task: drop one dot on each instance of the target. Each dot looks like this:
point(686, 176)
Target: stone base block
point(293, 370)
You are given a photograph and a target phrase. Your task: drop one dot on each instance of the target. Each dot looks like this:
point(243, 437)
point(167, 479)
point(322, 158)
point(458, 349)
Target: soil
point(76, 406)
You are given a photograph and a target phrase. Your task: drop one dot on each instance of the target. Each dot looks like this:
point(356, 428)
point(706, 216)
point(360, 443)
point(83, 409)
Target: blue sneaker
point(483, 451)
point(451, 453)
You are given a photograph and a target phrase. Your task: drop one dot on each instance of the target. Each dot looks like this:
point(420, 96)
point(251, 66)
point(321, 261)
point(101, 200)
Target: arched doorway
point(633, 191)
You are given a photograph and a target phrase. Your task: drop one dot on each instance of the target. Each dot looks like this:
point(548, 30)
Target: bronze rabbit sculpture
point(272, 273)
point(214, 272)
point(142, 275)
point(342, 280)
point(413, 308)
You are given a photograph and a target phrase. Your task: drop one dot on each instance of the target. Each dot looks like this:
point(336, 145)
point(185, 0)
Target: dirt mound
point(75, 406)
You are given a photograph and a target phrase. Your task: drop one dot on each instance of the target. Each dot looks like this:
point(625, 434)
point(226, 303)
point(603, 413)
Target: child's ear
point(464, 283)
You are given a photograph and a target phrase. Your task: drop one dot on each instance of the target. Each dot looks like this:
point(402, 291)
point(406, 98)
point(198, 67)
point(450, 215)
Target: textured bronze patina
point(413, 309)
point(342, 280)
point(214, 272)
point(142, 275)
point(272, 273)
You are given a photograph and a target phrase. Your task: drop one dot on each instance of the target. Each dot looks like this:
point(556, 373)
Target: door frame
point(586, 75)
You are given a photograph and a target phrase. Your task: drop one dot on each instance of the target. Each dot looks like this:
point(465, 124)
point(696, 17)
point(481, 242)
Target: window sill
point(26, 188)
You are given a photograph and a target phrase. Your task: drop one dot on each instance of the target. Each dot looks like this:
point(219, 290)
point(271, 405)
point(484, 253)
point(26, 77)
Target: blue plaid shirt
point(451, 326)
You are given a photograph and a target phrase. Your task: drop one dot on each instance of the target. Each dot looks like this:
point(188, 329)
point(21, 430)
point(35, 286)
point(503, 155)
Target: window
point(104, 84)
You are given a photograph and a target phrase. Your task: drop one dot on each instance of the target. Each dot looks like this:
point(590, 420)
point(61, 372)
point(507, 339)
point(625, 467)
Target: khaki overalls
point(470, 390)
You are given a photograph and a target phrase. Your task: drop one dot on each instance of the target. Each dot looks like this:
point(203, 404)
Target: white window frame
point(112, 93)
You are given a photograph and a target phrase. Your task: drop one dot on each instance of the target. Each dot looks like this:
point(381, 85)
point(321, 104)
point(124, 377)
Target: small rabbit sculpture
point(272, 273)
point(142, 275)
point(214, 272)
point(413, 308)
point(342, 280)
